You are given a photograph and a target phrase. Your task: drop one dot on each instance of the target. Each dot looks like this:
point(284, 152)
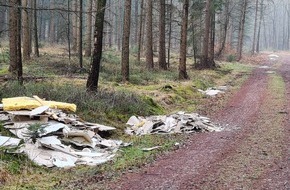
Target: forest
point(203, 30)
point(119, 58)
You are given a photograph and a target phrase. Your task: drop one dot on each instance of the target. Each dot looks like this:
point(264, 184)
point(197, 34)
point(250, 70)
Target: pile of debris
point(214, 90)
point(51, 137)
point(180, 122)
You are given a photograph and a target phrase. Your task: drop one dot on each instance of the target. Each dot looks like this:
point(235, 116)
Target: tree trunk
point(81, 35)
point(110, 34)
point(15, 39)
point(169, 34)
point(126, 41)
point(68, 30)
point(183, 43)
point(212, 37)
point(119, 26)
point(93, 79)
point(162, 48)
point(241, 30)
point(26, 31)
point(75, 27)
point(88, 50)
point(204, 58)
point(225, 29)
point(52, 24)
point(2, 19)
point(140, 31)
point(255, 27)
point(136, 23)
point(149, 40)
point(36, 46)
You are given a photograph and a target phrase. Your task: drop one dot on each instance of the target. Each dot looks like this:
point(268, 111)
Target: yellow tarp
point(19, 103)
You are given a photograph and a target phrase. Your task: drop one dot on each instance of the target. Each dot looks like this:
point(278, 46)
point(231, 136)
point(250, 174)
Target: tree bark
point(212, 37)
point(162, 48)
point(93, 79)
point(88, 50)
point(126, 41)
point(140, 31)
point(2, 19)
point(75, 27)
point(136, 23)
point(169, 34)
point(204, 58)
point(26, 31)
point(68, 31)
point(183, 43)
point(35, 29)
point(241, 30)
point(81, 35)
point(52, 24)
point(260, 25)
point(15, 67)
point(149, 40)
point(255, 28)
point(225, 29)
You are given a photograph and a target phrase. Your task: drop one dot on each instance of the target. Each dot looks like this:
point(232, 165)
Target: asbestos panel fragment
point(150, 149)
point(39, 110)
point(9, 142)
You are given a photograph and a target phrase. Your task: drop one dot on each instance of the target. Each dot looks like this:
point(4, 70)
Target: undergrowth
point(105, 106)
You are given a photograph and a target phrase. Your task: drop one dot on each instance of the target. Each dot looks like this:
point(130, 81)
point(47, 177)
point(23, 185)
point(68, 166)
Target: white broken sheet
point(52, 127)
point(273, 57)
point(4, 117)
point(38, 111)
point(175, 123)
point(150, 149)
point(264, 67)
point(46, 157)
point(9, 142)
point(214, 90)
point(50, 152)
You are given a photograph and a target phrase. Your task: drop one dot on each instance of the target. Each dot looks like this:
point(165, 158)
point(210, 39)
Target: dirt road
point(252, 153)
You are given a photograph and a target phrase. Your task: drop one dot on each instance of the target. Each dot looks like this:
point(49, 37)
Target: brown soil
point(251, 153)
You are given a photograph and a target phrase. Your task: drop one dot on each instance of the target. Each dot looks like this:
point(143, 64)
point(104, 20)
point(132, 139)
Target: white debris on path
point(180, 122)
point(273, 57)
point(264, 67)
point(53, 138)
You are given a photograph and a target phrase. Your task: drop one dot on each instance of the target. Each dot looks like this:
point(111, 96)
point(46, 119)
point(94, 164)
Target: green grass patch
point(105, 106)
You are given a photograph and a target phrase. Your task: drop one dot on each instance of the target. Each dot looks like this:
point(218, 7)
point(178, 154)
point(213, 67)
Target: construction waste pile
point(51, 137)
point(180, 122)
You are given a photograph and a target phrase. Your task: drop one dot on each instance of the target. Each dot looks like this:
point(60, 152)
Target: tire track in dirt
point(188, 167)
point(278, 176)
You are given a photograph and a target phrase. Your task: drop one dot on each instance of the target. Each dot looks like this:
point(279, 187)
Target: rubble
point(180, 122)
point(52, 137)
point(214, 90)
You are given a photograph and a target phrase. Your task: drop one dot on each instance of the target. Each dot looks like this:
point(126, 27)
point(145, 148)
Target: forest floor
point(253, 152)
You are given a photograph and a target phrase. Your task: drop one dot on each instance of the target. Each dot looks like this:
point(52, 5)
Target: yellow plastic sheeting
point(19, 103)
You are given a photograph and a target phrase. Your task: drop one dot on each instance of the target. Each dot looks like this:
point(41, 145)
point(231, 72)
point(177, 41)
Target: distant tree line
point(203, 29)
